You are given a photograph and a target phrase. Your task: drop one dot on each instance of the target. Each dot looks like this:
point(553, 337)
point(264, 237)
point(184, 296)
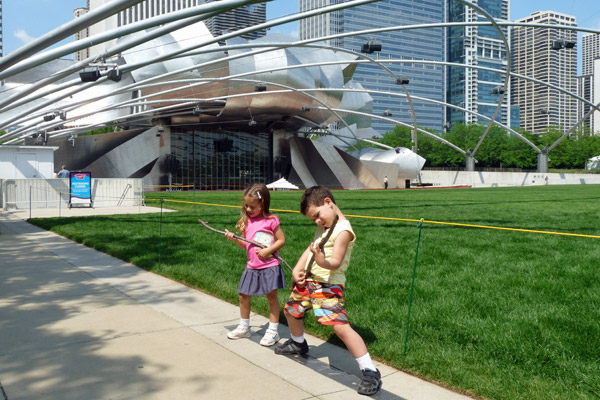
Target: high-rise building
point(242, 17)
point(584, 90)
point(548, 55)
point(85, 53)
point(596, 97)
point(141, 11)
point(233, 20)
point(425, 80)
point(1, 39)
point(478, 90)
point(590, 51)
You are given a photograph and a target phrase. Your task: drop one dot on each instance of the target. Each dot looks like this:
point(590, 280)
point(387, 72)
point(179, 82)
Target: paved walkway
point(78, 324)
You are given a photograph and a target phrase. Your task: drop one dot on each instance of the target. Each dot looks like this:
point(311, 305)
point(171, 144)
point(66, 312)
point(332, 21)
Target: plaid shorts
point(327, 302)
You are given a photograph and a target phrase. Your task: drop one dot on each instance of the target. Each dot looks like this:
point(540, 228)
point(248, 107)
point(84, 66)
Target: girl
point(263, 274)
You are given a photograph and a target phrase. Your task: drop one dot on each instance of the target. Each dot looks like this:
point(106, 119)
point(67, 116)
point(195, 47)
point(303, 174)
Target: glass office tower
point(476, 89)
point(425, 80)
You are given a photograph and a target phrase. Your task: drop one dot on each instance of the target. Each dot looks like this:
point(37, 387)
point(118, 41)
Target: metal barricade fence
point(54, 193)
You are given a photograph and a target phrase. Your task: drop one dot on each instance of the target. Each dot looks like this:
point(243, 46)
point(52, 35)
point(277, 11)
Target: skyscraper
point(242, 17)
point(85, 53)
point(590, 52)
point(548, 55)
point(141, 11)
point(425, 80)
point(475, 89)
point(1, 39)
point(233, 20)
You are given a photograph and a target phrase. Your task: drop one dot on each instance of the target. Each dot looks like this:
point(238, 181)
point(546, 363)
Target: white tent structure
point(281, 184)
point(593, 163)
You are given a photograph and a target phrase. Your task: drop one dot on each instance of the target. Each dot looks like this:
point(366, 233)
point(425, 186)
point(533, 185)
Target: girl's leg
point(273, 306)
point(245, 306)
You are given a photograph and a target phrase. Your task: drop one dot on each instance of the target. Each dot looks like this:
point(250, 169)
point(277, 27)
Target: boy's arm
point(339, 252)
point(298, 274)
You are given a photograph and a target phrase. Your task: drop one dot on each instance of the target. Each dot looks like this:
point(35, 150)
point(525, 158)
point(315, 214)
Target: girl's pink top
point(261, 230)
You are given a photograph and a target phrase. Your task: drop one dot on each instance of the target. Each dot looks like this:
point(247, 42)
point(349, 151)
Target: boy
point(319, 286)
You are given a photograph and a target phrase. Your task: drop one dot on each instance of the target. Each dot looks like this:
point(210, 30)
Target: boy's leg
point(351, 339)
point(294, 313)
point(296, 325)
point(371, 381)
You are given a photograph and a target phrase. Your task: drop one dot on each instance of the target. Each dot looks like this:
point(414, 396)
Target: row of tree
point(499, 149)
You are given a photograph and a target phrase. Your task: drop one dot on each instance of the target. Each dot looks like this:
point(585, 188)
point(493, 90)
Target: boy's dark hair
point(314, 196)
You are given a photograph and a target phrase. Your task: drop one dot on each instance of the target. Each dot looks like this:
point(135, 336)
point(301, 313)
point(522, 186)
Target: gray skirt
point(260, 282)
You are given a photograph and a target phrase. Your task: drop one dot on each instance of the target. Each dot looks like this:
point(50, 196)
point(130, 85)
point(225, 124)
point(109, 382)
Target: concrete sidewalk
point(78, 324)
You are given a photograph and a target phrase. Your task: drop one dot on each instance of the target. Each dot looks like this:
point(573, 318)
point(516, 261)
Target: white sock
point(274, 326)
point(365, 362)
point(298, 339)
point(245, 323)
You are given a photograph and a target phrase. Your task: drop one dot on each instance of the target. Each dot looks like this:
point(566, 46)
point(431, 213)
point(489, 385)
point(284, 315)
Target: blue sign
point(81, 188)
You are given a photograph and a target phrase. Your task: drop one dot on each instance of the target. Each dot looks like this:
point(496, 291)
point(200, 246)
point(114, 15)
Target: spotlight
point(402, 81)
point(261, 87)
point(387, 113)
point(89, 76)
point(114, 75)
point(370, 47)
point(49, 117)
point(197, 110)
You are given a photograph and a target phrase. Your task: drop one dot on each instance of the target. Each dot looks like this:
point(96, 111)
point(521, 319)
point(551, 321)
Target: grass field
point(498, 314)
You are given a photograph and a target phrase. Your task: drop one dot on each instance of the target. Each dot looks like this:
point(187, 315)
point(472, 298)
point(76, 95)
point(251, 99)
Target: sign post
point(80, 193)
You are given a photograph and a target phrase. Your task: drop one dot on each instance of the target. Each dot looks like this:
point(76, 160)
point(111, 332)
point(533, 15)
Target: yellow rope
point(410, 220)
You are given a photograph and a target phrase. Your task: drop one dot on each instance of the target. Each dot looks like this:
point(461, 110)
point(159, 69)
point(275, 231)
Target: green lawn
point(497, 314)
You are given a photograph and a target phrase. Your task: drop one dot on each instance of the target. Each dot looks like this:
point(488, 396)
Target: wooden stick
point(262, 246)
point(308, 273)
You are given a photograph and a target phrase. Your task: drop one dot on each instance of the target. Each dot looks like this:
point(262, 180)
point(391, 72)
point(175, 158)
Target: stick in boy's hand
point(321, 247)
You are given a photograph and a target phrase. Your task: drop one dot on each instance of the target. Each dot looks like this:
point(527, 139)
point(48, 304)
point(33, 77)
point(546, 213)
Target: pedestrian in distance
point(320, 276)
point(63, 173)
point(263, 274)
point(385, 182)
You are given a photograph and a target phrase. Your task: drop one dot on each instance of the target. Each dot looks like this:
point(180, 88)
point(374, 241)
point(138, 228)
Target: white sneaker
point(240, 332)
point(271, 337)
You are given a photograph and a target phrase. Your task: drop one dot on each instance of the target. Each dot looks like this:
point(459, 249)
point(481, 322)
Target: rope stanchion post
point(160, 232)
point(412, 287)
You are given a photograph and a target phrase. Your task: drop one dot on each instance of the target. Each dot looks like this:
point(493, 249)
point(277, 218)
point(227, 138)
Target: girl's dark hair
point(314, 196)
point(256, 191)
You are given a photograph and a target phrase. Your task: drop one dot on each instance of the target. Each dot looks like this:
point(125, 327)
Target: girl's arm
point(339, 252)
point(267, 252)
point(229, 236)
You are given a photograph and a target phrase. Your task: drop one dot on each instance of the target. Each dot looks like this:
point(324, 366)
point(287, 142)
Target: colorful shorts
point(327, 302)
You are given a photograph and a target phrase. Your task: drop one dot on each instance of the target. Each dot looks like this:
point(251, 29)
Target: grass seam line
point(414, 220)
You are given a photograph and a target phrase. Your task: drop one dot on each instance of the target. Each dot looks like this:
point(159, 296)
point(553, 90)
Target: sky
point(25, 20)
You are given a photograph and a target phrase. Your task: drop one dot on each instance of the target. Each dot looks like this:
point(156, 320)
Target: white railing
point(54, 193)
